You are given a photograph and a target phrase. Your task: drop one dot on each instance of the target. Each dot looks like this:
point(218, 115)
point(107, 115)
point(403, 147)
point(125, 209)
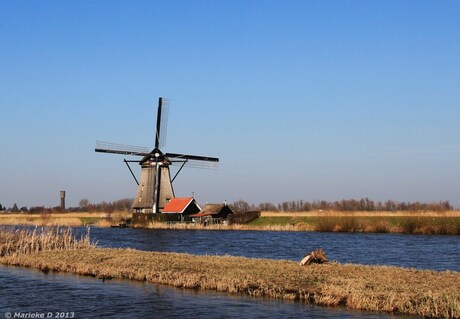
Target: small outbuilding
point(183, 207)
point(212, 214)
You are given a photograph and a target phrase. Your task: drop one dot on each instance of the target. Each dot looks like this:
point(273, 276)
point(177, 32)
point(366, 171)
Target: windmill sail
point(155, 185)
point(192, 157)
point(164, 122)
point(107, 147)
point(195, 164)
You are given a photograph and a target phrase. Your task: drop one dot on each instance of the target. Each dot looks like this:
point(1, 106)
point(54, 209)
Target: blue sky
point(299, 99)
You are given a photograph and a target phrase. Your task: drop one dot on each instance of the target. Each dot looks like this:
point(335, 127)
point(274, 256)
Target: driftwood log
point(317, 256)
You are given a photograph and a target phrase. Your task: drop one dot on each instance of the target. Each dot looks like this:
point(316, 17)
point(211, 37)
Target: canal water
point(57, 295)
point(437, 252)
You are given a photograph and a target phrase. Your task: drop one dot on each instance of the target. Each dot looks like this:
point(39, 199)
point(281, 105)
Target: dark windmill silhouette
point(155, 186)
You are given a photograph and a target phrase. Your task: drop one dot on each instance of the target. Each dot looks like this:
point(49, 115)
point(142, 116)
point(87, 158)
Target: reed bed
point(409, 224)
point(402, 224)
point(450, 213)
point(325, 224)
point(82, 214)
point(196, 226)
point(164, 225)
point(429, 294)
point(37, 220)
point(22, 241)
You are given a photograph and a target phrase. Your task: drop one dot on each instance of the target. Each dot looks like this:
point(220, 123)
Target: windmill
point(155, 186)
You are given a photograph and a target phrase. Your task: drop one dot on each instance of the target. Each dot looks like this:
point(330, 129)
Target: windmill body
point(144, 201)
point(155, 186)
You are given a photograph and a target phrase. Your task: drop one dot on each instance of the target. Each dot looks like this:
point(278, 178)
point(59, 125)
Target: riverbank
point(361, 222)
point(375, 288)
point(328, 221)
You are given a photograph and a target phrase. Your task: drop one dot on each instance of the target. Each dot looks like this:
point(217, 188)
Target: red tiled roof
point(177, 204)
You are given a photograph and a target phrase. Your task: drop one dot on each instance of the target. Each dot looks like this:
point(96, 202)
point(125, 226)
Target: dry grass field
point(64, 219)
point(381, 222)
point(452, 213)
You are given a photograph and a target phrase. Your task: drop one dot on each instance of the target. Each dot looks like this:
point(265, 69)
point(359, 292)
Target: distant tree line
point(13, 209)
point(364, 204)
point(84, 205)
point(117, 205)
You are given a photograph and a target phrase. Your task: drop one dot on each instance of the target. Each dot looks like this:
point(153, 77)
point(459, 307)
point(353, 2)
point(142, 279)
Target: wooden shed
point(212, 214)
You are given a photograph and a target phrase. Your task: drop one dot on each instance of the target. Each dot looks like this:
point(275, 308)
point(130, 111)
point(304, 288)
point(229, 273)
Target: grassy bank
point(390, 289)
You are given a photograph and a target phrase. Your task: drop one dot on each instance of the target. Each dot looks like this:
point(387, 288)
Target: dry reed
point(164, 225)
point(330, 222)
point(23, 241)
point(375, 288)
point(326, 224)
point(451, 213)
point(195, 226)
point(64, 219)
point(40, 220)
